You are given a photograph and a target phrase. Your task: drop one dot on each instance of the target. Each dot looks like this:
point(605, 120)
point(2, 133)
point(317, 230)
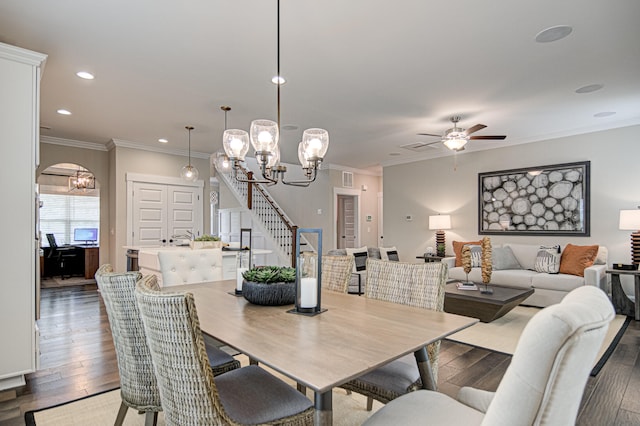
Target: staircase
point(274, 222)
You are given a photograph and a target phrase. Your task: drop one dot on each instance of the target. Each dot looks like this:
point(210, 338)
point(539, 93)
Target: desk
point(90, 259)
point(354, 336)
point(87, 263)
point(620, 300)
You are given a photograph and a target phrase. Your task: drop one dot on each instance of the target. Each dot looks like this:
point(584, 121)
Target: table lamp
point(440, 223)
point(630, 221)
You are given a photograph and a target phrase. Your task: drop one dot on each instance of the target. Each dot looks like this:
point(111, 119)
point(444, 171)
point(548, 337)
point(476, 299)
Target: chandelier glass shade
point(265, 139)
point(82, 180)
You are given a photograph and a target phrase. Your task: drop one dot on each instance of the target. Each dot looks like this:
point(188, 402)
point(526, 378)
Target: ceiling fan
point(456, 138)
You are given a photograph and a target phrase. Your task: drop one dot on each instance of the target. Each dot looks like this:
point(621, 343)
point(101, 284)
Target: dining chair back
point(190, 394)
point(180, 267)
point(544, 382)
point(336, 272)
point(138, 388)
point(419, 285)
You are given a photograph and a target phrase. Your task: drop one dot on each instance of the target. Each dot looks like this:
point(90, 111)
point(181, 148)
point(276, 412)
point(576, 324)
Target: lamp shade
point(629, 220)
point(441, 221)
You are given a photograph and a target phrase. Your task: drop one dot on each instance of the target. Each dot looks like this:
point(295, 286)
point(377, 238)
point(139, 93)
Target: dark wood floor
point(78, 359)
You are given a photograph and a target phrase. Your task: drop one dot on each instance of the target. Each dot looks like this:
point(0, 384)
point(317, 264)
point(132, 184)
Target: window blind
point(61, 214)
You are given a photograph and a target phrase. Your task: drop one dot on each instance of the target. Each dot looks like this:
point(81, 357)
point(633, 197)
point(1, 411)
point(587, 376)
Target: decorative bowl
point(272, 294)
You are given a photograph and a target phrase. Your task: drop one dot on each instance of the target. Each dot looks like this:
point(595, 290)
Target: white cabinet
point(19, 146)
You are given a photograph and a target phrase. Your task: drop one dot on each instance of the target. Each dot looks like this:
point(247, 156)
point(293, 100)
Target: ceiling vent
point(419, 146)
point(347, 179)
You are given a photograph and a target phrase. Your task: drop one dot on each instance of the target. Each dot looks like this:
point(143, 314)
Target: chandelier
point(265, 137)
point(82, 180)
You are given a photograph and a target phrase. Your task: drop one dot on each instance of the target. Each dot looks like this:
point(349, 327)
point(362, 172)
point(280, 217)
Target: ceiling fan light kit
point(456, 138)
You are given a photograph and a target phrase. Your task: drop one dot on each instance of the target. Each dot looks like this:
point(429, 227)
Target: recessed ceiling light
point(64, 112)
point(553, 34)
point(604, 114)
point(86, 75)
point(163, 140)
point(589, 88)
point(278, 79)
point(394, 154)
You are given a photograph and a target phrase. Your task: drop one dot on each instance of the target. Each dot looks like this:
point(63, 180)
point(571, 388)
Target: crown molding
point(73, 143)
point(161, 149)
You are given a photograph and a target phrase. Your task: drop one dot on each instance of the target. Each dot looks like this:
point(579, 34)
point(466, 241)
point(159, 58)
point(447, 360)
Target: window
point(61, 214)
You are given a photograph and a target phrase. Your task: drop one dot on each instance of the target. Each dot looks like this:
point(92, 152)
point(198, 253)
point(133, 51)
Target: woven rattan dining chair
point(138, 386)
point(336, 272)
point(190, 394)
point(415, 284)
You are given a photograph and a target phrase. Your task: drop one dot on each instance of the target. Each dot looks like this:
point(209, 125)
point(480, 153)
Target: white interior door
point(184, 210)
point(149, 208)
point(347, 221)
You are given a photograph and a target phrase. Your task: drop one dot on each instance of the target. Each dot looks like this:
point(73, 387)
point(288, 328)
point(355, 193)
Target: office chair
point(64, 256)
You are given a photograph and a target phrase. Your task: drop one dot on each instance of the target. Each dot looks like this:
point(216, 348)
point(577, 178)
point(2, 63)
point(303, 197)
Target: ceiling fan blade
point(501, 137)
point(475, 128)
point(433, 143)
point(429, 134)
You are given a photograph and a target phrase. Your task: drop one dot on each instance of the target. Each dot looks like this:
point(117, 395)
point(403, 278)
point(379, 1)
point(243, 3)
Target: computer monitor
point(86, 235)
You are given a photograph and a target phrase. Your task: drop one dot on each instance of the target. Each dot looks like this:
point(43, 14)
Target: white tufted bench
point(180, 267)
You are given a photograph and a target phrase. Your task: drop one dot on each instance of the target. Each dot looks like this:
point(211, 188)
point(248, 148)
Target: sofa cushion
point(519, 278)
point(576, 258)
point(360, 255)
point(557, 282)
point(525, 253)
point(389, 253)
point(457, 249)
point(503, 258)
point(548, 259)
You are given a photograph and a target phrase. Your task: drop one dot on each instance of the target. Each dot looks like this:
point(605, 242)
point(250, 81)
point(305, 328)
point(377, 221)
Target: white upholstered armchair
point(543, 384)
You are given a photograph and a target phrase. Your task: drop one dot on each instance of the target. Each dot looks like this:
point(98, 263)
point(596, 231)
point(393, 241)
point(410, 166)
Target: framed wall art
point(543, 200)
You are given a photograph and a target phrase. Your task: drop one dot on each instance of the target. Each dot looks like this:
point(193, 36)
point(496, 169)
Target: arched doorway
point(69, 225)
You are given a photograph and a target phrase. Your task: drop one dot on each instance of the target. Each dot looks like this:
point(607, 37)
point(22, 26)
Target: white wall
point(429, 187)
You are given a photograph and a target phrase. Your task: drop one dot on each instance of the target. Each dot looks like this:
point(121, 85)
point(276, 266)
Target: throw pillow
point(386, 253)
point(457, 249)
point(576, 258)
point(503, 258)
point(476, 255)
point(360, 255)
point(548, 260)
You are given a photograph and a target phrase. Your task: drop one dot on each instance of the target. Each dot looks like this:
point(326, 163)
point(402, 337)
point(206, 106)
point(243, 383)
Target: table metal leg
point(424, 367)
point(324, 409)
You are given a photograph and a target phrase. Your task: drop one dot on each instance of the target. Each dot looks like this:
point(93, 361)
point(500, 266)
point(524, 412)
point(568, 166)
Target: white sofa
point(549, 288)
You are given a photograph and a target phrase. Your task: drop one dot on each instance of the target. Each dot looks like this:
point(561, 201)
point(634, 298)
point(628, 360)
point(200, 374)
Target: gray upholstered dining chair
point(190, 395)
point(414, 284)
point(138, 386)
point(336, 272)
point(544, 383)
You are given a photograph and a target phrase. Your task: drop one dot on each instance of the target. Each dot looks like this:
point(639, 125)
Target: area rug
point(502, 334)
point(101, 409)
point(55, 282)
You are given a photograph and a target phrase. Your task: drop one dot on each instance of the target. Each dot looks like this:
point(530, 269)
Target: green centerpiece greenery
point(206, 237)
point(270, 285)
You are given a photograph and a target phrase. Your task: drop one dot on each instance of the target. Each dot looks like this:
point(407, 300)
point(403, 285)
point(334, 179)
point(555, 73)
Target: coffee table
point(485, 307)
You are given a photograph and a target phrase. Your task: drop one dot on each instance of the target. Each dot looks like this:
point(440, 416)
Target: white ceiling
point(373, 73)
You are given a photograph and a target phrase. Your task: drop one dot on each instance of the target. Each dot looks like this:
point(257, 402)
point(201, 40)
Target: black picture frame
point(541, 200)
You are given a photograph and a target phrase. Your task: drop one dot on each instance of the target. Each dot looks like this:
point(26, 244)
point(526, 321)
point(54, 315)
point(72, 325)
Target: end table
point(621, 302)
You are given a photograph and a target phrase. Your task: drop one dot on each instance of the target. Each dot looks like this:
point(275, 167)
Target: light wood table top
point(355, 335)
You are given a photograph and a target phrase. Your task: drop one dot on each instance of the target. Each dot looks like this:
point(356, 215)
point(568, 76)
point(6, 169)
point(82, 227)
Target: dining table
point(355, 335)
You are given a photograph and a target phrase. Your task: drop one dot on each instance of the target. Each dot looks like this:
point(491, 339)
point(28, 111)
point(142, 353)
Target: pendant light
point(188, 172)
